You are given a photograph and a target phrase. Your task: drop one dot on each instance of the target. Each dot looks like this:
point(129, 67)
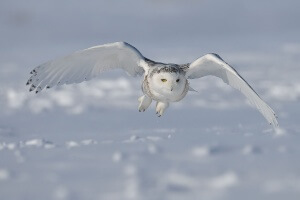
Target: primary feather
point(213, 64)
point(86, 64)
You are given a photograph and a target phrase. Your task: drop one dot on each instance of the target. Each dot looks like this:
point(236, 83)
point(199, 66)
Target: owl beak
point(171, 88)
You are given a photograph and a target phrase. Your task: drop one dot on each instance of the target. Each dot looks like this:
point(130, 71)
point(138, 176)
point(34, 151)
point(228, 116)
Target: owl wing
point(213, 64)
point(86, 64)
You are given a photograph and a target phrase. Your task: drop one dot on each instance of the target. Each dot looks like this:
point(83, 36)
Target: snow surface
point(88, 141)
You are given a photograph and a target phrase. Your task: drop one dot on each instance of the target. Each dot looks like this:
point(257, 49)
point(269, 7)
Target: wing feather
point(213, 64)
point(86, 64)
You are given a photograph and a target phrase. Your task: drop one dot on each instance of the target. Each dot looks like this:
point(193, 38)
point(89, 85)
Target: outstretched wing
point(86, 64)
point(213, 64)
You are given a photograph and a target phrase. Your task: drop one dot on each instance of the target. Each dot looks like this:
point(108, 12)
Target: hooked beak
point(171, 88)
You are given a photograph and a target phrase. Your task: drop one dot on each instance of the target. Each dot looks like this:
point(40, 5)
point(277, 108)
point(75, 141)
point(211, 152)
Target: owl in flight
point(163, 83)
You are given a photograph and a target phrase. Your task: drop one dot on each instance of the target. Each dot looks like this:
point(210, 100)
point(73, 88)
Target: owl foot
point(144, 103)
point(161, 107)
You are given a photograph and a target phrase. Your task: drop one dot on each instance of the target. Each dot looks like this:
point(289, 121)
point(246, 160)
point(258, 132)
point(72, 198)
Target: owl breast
point(161, 94)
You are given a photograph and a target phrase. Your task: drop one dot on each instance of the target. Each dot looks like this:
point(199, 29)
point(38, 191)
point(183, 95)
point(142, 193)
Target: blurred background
point(88, 141)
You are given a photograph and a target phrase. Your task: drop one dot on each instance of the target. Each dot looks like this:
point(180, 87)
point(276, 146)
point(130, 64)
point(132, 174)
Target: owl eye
point(177, 80)
point(164, 80)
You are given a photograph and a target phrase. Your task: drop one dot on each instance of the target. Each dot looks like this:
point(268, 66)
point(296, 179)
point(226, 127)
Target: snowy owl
point(163, 83)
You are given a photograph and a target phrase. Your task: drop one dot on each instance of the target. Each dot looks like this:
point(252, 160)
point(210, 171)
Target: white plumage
point(163, 83)
point(86, 64)
point(214, 65)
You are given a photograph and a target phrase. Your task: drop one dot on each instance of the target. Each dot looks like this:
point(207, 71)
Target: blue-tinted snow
point(88, 141)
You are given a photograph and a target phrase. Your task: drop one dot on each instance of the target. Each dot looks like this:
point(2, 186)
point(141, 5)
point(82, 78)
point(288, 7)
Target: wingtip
point(32, 88)
point(33, 72)
point(275, 123)
point(29, 81)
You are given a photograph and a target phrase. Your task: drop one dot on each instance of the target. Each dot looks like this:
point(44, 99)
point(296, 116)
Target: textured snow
point(88, 141)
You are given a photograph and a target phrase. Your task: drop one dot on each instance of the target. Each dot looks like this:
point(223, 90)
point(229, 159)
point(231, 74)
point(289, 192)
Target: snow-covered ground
point(88, 141)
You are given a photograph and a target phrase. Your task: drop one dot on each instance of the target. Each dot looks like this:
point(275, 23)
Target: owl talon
point(144, 103)
point(161, 107)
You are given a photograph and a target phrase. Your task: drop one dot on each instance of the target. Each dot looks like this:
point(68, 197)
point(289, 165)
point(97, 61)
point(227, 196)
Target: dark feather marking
point(185, 67)
point(167, 69)
point(32, 88)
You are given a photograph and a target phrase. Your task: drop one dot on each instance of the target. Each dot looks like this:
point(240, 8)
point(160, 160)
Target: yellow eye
point(164, 80)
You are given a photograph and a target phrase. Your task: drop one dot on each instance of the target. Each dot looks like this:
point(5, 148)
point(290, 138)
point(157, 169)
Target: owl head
point(168, 80)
